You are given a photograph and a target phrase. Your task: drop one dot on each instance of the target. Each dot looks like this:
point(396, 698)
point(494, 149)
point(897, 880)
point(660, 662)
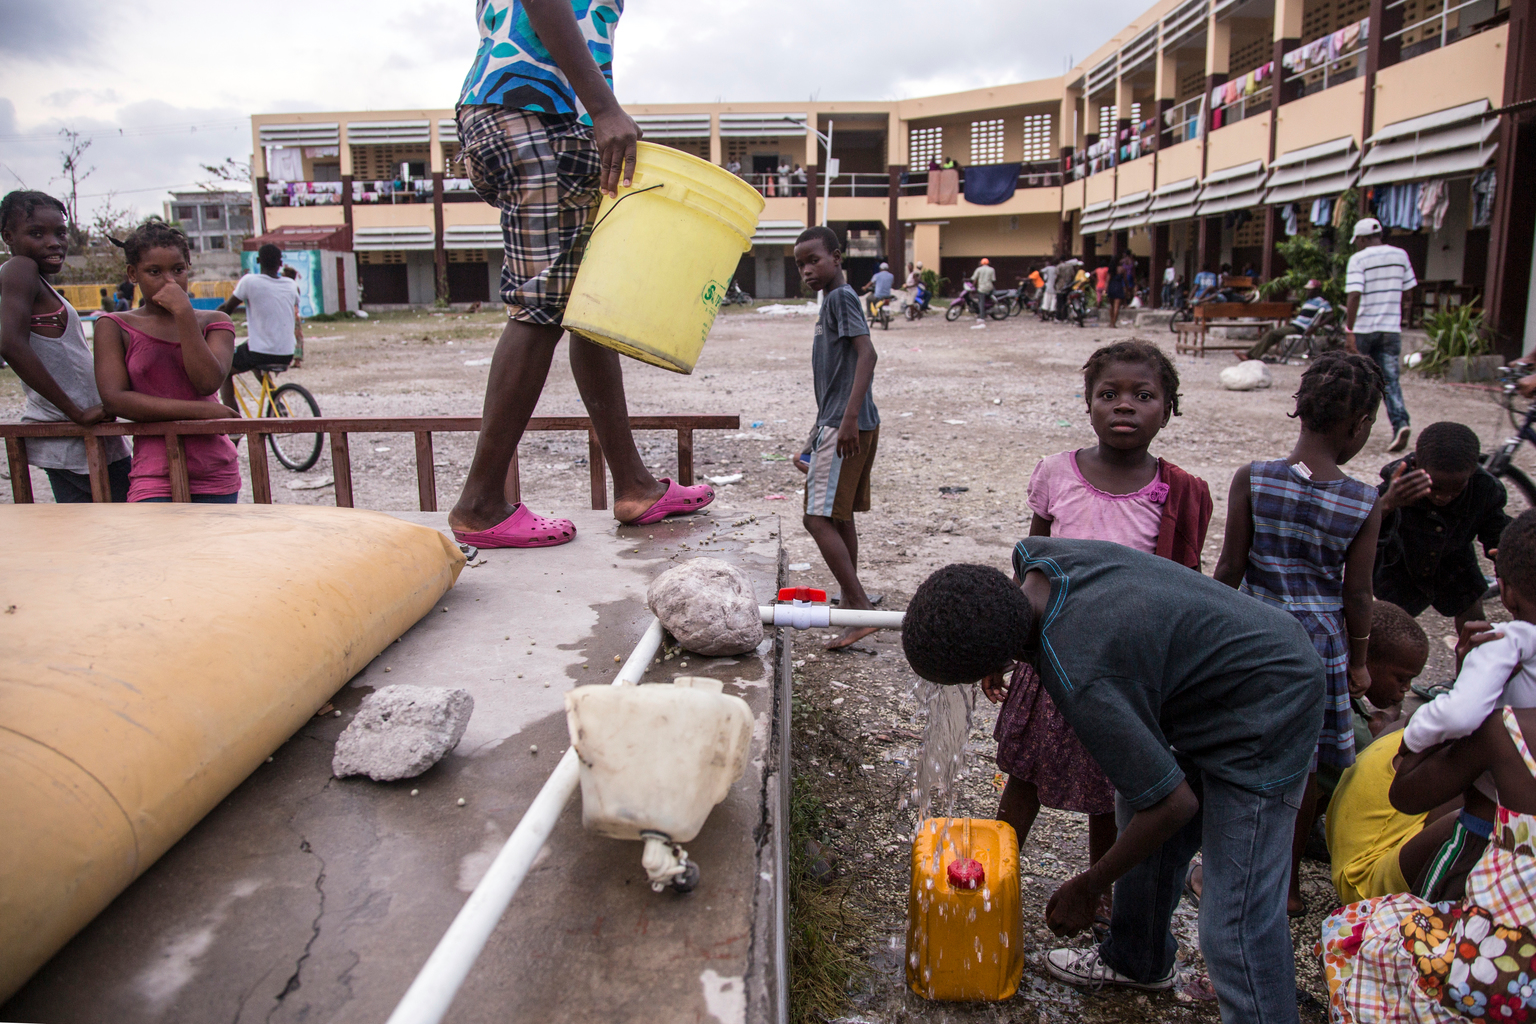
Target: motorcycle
point(735, 296)
point(919, 304)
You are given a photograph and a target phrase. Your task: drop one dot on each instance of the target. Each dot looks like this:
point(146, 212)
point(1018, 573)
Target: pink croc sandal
point(677, 501)
point(522, 529)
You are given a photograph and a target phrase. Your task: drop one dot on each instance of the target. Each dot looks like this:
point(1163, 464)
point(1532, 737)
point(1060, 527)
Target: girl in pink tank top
point(165, 361)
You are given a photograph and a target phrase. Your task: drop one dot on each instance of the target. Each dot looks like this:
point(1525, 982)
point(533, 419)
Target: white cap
point(1366, 226)
point(885, 266)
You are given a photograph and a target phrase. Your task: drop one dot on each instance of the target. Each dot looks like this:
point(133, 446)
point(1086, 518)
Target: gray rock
point(401, 731)
point(1248, 375)
point(709, 606)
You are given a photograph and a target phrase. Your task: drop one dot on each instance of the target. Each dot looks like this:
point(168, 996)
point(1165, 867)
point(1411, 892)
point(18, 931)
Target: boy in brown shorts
point(841, 451)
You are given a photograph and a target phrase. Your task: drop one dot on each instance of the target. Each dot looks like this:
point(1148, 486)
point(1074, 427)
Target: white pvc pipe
point(814, 616)
point(430, 995)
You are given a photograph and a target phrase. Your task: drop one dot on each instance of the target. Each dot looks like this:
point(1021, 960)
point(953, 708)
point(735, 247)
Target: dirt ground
point(960, 408)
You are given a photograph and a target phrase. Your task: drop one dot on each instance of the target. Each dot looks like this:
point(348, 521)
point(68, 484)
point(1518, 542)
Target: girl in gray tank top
point(42, 338)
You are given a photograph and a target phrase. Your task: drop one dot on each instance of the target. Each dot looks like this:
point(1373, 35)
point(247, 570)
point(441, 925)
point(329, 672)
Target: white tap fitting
point(664, 861)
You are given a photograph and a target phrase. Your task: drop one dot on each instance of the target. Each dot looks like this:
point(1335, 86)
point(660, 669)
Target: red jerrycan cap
point(806, 594)
point(966, 874)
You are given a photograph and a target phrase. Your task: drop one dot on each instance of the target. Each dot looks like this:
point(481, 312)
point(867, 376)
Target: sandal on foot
point(1190, 893)
point(677, 501)
point(522, 529)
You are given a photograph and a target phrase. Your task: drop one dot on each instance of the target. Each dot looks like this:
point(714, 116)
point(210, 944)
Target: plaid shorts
point(542, 170)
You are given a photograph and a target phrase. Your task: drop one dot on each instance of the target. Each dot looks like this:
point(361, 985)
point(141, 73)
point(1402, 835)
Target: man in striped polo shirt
point(1375, 281)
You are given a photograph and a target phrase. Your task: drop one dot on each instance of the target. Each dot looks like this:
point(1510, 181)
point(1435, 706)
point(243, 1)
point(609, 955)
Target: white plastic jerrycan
point(654, 761)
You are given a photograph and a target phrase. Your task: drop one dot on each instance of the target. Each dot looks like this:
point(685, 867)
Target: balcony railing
point(1450, 23)
point(1332, 60)
point(1032, 174)
point(777, 185)
point(1246, 105)
point(856, 184)
point(1183, 122)
point(328, 193)
point(304, 193)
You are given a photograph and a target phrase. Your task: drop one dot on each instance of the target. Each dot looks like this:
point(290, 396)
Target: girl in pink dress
point(1113, 491)
point(165, 361)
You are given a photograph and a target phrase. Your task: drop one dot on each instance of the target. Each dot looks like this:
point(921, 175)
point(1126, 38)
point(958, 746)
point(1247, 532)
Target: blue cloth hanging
point(990, 184)
point(1288, 214)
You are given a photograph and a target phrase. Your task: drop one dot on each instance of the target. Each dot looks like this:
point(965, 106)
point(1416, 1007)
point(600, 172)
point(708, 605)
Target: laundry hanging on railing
point(1434, 203)
point(1327, 49)
point(1288, 215)
point(1397, 206)
point(1483, 190)
point(1322, 211)
point(990, 184)
point(944, 187)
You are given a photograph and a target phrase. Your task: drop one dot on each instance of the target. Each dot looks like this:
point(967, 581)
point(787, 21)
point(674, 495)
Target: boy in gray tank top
point(42, 338)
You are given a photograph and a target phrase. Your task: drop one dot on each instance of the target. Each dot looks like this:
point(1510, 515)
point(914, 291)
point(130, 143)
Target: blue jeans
point(70, 487)
point(206, 499)
point(1386, 348)
point(1245, 936)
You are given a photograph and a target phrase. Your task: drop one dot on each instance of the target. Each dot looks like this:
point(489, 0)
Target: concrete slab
point(308, 898)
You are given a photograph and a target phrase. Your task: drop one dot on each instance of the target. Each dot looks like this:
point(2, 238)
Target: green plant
point(1307, 257)
point(1454, 332)
point(822, 967)
point(934, 283)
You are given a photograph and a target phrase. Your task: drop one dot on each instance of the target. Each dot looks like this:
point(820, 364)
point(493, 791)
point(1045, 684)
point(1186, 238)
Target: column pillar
point(439, 244)
point(1165, 90)
point(895, 231)
point(1090, 253)
point(1218, 61)
point(1209, 248)
point(810, 194)
point(1381, 53)
point(1064, 236)
point(1271, 236)
point(1159, 264)
point(1510, 237)
point(714, 139)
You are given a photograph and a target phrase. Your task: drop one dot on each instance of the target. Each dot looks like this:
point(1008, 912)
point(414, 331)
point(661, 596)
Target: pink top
point(155, 368)
point(1078, 510)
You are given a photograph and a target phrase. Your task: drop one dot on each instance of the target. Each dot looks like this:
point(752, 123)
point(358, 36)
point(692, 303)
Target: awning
point(327, 134)
point(373, 239)
point(1458, 140)
point(1096, 217)
point(379, 133)
point(1131, 211)
point(1232, 188)
point(674, 126)
point(777, 232)
point(1173, 201)
point(737, 126)
point(472, 236)
point(1322, 170)
point(335, 238)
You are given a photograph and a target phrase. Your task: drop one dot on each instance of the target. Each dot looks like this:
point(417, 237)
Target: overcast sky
point(162, 89)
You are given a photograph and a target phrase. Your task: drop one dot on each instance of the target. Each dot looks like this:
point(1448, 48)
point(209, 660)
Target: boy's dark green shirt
point(1153, 664)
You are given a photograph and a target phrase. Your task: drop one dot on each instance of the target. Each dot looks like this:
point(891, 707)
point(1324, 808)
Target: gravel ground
point(960, 408)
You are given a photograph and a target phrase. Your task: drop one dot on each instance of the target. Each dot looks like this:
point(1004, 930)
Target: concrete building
point(213, 221)
point(1201, 133)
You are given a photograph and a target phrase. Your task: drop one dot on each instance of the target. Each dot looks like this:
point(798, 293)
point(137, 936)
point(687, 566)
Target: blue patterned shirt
point(513, 69)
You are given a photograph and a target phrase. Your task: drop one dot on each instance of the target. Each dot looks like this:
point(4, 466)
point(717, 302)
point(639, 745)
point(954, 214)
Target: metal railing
point(1032, 174)
point(1184, 122)
point(1480, 10)
point(774, 185)
point(338, 428)
point(1244, 107)
point(1318, 75)
point(857, 184)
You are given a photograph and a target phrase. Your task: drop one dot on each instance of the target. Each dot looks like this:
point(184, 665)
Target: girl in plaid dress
point(1302, 535)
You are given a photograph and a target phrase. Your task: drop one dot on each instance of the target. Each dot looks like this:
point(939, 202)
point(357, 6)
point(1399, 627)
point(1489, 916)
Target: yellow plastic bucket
point(660, 258)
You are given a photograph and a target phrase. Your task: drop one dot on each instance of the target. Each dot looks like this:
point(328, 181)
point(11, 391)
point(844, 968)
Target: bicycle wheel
point(999, 310)
point(297, 452)
point(1513, 475)
point(955, 309)
point(1180, 316)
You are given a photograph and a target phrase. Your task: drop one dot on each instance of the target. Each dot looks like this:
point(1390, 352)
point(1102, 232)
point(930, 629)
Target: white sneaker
point(1399, 440)
point(1082, 967)
point(979, 326)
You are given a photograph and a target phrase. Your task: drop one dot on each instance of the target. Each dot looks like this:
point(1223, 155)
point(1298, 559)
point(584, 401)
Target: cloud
point(47, 31)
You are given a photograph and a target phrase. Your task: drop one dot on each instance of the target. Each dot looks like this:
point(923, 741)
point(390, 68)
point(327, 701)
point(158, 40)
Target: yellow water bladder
point(661, 256)
point(151, 657)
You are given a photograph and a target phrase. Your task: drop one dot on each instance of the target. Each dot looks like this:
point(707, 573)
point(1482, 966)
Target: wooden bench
point(1192, 336)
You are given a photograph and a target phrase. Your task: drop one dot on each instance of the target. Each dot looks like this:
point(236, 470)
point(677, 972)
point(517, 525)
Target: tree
point(110, 221)
point(230, 172)
point(1323, 255)
point(74, 172)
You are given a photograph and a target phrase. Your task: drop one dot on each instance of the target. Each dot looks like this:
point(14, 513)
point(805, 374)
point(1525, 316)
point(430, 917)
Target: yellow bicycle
point(258, 398)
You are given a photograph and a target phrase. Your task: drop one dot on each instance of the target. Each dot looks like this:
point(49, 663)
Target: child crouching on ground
point(1499, 672)
point(841, 451)
point(1203, 708)
point(1435, 503)
point(1115, 490)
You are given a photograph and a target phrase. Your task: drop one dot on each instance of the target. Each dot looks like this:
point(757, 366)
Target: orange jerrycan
point(964, 929)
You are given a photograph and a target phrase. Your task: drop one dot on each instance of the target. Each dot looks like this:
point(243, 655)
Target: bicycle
point(297, 452)
point(1501, 462)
